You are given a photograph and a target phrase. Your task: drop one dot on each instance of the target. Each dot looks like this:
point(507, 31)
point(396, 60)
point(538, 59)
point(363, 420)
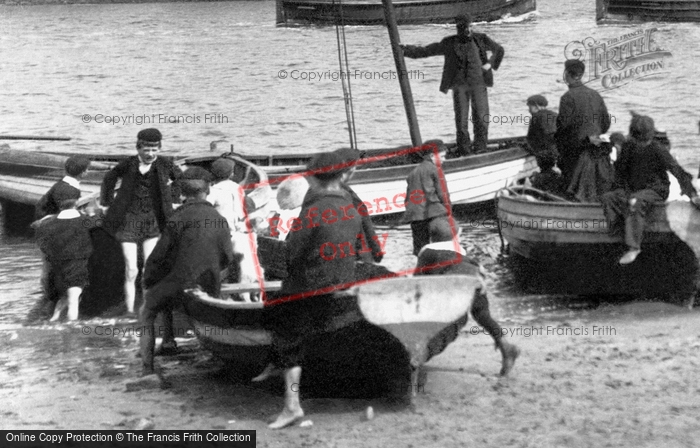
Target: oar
point(33, 137)
point(684, 220)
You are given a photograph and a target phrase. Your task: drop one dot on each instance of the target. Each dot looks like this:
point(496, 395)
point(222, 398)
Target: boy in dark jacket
point(641, 181)
point(543, 125)
point(69, 186)
point(142, 205)
point(547, 179)
point(65, 242)
point(426, 202)
point(193, 249)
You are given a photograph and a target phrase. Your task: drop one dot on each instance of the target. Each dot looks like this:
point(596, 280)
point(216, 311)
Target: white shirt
point(68, 214)
point(72, 181)
point(228, 198)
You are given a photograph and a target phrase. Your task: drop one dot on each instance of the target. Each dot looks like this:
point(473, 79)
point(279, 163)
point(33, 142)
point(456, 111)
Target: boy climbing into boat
point(443, 256)
point(192, 251)
point(64, 240)
point(641, 181)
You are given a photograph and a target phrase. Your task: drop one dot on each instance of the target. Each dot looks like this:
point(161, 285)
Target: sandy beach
point(617, 374)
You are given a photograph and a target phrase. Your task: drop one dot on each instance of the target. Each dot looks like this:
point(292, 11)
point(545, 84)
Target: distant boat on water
point(643, 10)
point(371, 12)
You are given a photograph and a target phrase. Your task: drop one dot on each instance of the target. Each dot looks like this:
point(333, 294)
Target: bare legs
point(132, 268)
point(292, 407)
point(71, 301)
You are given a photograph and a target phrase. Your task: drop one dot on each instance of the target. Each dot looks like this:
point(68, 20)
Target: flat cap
point(150, 135)
point(348, 155)
point(326, 165)
point(222, 168)
point(574, 66)
point(537, 100)
point(463, 18)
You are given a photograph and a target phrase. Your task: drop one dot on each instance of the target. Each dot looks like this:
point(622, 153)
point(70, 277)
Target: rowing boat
point(567, 247)
point(383, 333)
point(380, 178)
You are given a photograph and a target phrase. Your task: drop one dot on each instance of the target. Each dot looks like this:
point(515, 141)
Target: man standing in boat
point(468, 72)
point(582, 115)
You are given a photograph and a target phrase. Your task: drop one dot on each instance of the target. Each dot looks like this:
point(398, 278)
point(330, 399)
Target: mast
point(402, 73)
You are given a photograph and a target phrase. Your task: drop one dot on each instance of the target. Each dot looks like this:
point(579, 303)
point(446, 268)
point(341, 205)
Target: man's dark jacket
point(446, 47)
point(128, 171)
point(193, 249)
point(582, 113)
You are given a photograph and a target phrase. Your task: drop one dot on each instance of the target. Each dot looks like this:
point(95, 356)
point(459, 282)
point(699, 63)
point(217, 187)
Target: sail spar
point(344, 75)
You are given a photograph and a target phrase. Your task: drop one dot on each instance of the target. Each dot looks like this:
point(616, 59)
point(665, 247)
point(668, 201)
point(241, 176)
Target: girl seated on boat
point(640, 182)
point(443, 256)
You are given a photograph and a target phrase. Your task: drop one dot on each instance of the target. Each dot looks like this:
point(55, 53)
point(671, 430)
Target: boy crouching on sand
point(192, 251)
point(65, 243)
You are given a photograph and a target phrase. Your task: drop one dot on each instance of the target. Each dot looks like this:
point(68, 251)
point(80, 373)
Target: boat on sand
point(382, 333)
point(566, 247)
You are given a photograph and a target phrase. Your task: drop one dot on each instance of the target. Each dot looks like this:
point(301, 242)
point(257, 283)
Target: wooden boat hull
point(472, 179)
point(565, 247)
point(645, 11)
point(386, 329)
point(371, 12)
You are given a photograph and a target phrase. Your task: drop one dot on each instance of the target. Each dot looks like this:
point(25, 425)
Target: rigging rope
point(344, 75)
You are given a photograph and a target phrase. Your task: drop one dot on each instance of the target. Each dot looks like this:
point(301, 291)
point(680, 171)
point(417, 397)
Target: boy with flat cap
point(426, 202)
point(582, 115)
point(194, 248)
point(142, 206)
point(468, 72)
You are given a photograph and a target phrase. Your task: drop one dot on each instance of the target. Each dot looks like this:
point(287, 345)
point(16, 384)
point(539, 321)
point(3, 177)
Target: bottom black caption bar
point(24, 438)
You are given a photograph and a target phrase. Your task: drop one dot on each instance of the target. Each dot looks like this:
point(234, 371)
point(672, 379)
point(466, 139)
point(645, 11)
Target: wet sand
point(631, 383)
point(590, 374)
